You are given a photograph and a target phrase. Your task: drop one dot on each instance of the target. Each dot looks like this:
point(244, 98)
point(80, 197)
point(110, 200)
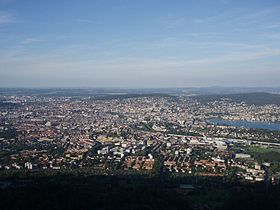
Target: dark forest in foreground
point(66, 191)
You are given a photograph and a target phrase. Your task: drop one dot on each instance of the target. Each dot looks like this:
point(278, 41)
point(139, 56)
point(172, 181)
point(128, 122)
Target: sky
point(139, 43)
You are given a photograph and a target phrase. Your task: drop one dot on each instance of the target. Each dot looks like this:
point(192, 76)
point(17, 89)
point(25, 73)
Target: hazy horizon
point(149, 88)
point(139, 44)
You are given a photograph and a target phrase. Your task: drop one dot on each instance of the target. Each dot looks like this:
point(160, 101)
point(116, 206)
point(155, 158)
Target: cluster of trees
point(10, 133)
point(249, 98)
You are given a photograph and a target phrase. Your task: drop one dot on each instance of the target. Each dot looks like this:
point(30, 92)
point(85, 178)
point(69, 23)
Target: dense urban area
point(143, 135)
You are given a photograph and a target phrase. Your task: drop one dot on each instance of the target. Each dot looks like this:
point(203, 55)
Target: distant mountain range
point(232, 90)
point(257, 98)
point(123, 91)
point(261, 96)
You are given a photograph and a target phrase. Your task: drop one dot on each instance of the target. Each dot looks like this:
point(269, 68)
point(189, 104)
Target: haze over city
point(139, 44)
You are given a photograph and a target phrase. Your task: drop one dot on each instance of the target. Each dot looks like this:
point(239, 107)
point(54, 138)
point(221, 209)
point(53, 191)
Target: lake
point(247, 124)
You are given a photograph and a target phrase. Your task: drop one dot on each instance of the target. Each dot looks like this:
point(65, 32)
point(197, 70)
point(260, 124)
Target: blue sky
point(133, 43)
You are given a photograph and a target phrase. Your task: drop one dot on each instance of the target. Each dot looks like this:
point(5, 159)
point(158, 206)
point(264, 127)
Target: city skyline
point(133, 44)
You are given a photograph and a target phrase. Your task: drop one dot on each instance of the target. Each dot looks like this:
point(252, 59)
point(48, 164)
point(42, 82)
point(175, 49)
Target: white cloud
point(87, 21)
point(47, 70)
point(6, 17)
point(32, 40)
point(173, 22)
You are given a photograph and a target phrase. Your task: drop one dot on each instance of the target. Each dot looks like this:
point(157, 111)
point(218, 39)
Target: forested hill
point(249, 98)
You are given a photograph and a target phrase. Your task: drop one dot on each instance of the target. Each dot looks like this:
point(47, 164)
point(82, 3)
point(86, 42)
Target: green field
point(265, 154)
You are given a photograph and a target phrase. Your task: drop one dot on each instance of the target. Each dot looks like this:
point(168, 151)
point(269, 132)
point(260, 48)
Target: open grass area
point(265, 154)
